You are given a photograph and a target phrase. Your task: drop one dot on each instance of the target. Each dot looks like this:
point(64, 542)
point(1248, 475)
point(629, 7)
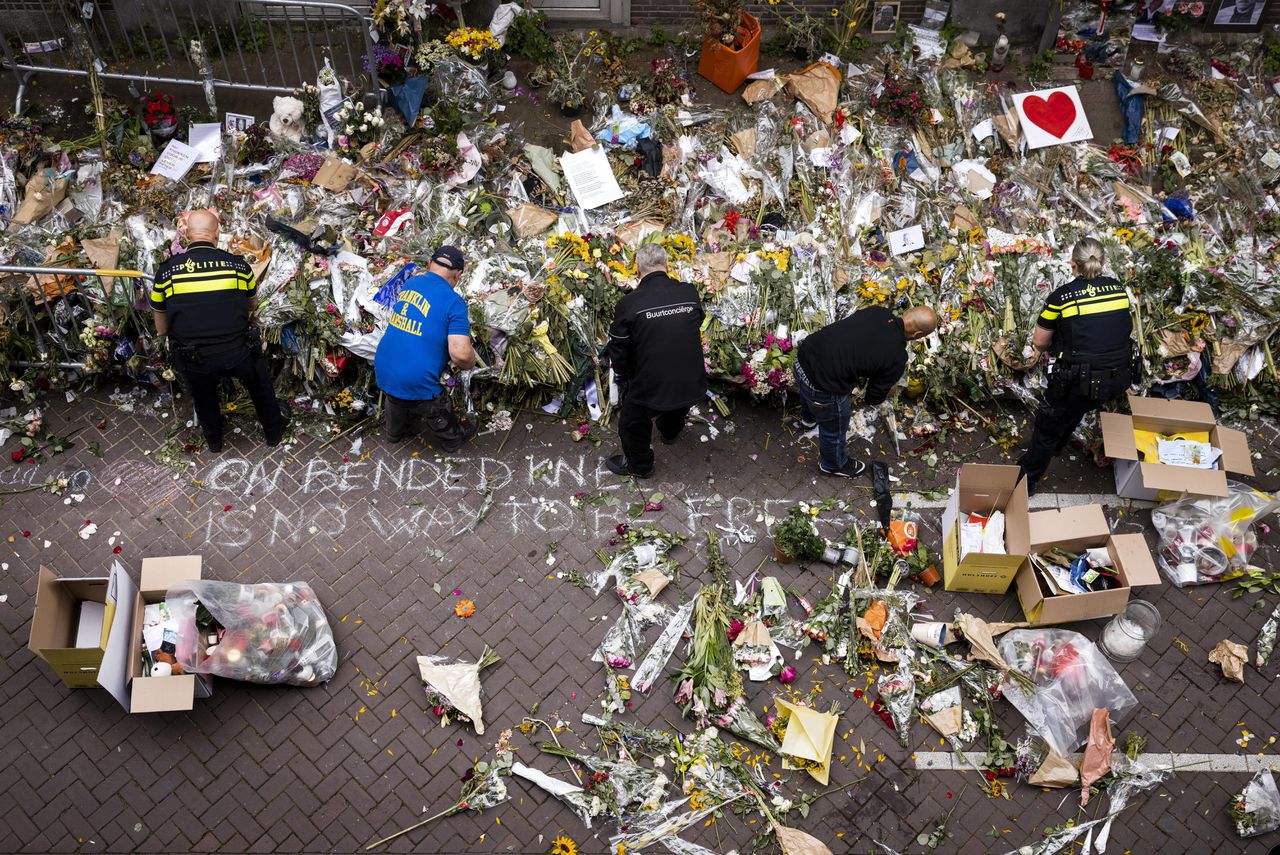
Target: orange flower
point(464, 609)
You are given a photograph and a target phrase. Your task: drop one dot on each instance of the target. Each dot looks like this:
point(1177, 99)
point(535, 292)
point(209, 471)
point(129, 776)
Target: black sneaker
point(215, 445)
point(802, 423)
point(852, 469)
point(671, 441)
point(618, 466)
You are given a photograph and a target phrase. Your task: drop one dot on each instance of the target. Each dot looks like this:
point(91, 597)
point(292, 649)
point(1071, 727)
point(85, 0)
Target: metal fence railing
point(47, 308)
point(264, 45)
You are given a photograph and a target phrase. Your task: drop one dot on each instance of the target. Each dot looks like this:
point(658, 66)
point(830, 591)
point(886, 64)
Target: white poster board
point(1052, 117)
point(206, 139)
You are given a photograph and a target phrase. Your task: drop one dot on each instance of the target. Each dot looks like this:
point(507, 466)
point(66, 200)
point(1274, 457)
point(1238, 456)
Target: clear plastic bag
point(271, 633)
point(1204, 538)
point(1256, 810)
point(1072, 679)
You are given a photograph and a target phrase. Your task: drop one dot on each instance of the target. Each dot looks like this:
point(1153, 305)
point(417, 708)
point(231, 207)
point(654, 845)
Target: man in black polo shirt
point(655, 345)
point(202, 300)
point(870, 345)
point(1086, 328)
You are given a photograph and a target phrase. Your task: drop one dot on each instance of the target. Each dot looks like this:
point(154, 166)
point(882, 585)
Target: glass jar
point(1126, 635)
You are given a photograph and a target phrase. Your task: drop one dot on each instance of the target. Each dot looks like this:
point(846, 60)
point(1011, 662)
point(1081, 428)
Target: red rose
point(17, 456)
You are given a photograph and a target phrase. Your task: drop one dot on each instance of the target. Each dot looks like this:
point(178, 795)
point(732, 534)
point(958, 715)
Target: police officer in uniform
point(1085, 328)
point(655, 346)
point(202, 300)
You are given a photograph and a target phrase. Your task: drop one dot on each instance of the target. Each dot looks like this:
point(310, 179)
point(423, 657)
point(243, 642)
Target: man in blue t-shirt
point(427, 331)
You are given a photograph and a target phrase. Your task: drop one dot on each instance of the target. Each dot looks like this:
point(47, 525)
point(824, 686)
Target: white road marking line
point(945, 761)
point(1040, 500)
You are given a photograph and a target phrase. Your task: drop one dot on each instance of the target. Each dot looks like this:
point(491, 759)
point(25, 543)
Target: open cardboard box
point(1140, 479)
point(54, 623)
point(117, 664)
point(1075, 530)
point(983, 488)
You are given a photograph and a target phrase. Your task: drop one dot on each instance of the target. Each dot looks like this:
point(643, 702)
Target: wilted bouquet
point(710, 686)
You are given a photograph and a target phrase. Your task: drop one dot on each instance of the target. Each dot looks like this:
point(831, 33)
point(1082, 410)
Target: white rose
point(364, 128)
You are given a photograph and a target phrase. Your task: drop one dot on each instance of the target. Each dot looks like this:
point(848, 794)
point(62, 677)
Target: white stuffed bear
point(286, 121)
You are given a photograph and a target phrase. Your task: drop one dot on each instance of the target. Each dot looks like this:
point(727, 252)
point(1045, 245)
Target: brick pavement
point(330, 769)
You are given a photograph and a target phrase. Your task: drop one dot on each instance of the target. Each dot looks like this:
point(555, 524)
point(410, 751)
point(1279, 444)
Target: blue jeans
point(832, 413)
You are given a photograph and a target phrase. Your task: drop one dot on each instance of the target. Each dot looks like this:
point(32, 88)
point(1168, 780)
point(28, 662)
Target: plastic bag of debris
point(273, 633)
point(1202, 538)
point(1069, 677)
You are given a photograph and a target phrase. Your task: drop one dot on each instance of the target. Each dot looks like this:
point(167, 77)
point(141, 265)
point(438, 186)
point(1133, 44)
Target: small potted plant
point(730, 43)
point(795, 538)
point(159, 116)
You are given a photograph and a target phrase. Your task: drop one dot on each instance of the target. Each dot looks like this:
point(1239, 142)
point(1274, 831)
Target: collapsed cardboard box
point(1074, 530)
point(1147, 479)
point(983, 489)
point(116, 663)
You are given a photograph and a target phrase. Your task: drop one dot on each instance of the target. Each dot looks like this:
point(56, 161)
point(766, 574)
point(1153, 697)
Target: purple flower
point(788, 675)
point(618, 661)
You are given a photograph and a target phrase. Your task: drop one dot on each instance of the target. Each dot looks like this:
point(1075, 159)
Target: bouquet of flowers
point(482, 787)
point(358, 126)
point(453, 689)
point(387, 63)
point(709, 686)
point(1256, 810)
point(628, 784)
point(472, 44)
point(900, 102)
point(828, 623)
point(158, 112)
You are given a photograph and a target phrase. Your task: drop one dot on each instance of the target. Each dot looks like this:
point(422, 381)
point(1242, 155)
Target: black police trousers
point(635, 431)
point(203, 369)
point(436, 418)
point(1059, 415)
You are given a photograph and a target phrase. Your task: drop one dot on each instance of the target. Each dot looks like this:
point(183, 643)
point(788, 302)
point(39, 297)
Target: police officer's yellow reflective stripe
point(203, 286)
point(1097, 308)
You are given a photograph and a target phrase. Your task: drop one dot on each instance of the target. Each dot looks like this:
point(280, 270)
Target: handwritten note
point(175, 161)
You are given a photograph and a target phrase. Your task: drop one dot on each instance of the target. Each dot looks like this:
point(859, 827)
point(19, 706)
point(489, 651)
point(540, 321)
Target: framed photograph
point(885, 17)
point(1235, 16)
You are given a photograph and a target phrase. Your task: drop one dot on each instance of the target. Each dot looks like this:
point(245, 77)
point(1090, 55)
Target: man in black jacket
point(202, 300)
point(655, 345)
point(869, 345)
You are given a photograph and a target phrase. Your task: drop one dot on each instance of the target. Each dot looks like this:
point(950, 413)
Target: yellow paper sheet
point(809, 736)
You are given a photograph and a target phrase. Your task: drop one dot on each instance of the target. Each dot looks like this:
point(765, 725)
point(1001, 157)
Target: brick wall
point(680, 14)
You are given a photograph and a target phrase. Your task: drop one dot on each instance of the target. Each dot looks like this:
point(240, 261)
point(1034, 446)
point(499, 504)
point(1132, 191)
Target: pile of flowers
point(472, 44)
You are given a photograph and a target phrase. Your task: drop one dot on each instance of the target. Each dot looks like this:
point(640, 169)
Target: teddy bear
point(286, 121)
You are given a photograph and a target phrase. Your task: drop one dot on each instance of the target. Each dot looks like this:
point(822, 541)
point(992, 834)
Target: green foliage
point(1271, 57)
point(1037, 68)
point(528, 37)
point(796, 536)
point(1257, 581)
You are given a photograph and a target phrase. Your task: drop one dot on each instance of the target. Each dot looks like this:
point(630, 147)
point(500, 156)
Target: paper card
point(1052, 117)
point(1271, 159)
point(175, 161)
point(206, 139)
point(237, 123)
point(983, 129)
point(334, 174)
point(590, 178)
point(906, 240)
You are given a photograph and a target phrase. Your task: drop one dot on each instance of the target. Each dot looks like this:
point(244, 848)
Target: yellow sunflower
point(563, 846)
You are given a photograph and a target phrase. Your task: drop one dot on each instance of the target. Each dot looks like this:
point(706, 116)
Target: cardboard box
point(1075, 530)
point(55, 622)
point(139, 694)
point(116, 663)
point(1140, 479)
point(983, 488)
point(89, 626)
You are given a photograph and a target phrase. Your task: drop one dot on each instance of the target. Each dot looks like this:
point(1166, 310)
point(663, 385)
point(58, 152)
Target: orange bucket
point(728, 67)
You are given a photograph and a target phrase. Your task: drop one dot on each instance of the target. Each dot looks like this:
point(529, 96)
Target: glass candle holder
point(1126, 635)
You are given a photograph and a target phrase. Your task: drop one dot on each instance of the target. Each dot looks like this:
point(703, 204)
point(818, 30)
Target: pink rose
point(788, 675)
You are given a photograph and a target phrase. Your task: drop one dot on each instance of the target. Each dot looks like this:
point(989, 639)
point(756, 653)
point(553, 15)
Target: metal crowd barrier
point(49, 305)
point(260, 46)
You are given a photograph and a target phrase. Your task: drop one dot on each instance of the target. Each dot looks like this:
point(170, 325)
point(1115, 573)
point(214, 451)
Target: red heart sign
point(1054, 115)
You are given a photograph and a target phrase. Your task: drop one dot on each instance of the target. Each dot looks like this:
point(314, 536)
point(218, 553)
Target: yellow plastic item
point(1145, 440)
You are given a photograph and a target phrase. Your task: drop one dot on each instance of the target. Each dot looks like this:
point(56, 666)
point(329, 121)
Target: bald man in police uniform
point(202, 300)
point(1086, 328)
